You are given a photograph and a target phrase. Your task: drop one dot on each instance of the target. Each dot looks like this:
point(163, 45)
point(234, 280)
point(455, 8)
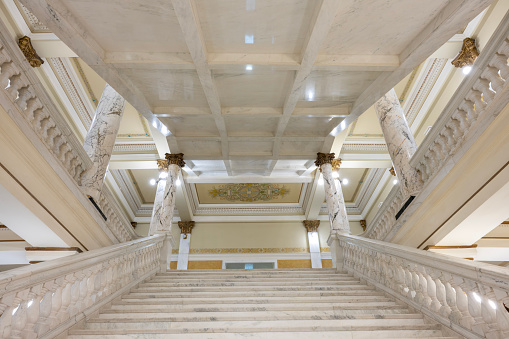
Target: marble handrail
point(475, 104)
point(45, 299)
point(468, 297)
point(26, 94)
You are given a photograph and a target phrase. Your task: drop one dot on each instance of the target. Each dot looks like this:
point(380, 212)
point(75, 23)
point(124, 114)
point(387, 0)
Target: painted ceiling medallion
point(249, 192)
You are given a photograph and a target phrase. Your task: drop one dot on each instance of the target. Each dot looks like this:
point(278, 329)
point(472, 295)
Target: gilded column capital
point(363, 224)
point(336, 163)
point(162, 164)
point(467, 55)
point(175, 159)
point(311, 225)
point(324, 158)
point(392, 171)
point(25, 44)
point(186, 227)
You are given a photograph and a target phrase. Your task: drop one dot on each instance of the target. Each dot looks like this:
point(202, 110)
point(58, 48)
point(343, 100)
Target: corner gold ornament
point(175, 159)
point(29, 52)
point(186, 227)
point(392, 171)
point(467, 55)
point(363, 224)
point(311, 225)
point(162, 164)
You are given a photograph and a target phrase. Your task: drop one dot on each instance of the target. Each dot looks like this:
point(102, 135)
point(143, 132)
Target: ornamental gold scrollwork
point(467, 55)
point(29, 52)
point(186, 227)
point(311, 225)
point(162, 164)
point(175, 159)
point(324, 158)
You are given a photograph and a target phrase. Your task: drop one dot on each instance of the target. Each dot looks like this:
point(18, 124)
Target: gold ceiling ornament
point(28, 50)
point(336, 163)
point(467, 55)
point(324, 158)
point(392, 171)
point(249, 192)
point(311, 225)
point(186, 227)
point(175, 159)
point(162, 164)
point(363, 224)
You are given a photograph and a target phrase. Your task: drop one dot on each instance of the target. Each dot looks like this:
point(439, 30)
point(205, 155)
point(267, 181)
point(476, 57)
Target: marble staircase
point(298, 303)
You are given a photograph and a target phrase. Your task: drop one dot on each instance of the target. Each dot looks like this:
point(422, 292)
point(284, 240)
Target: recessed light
point(152, 182)
point(249, 39)
point(249, 67)
point(395, 181)
point(466, 69)
point(345, 181)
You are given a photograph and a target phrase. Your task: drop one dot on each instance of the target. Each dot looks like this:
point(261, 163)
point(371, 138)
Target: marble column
point(314, 242)
point(335, 206)
point(162, 164)
point(100, 140)
point(174, 162)
point(185, 241)
point(400, 142)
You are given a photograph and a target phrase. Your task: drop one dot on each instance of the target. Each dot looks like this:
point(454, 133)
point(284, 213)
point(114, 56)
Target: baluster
point(45, 308)
point(19, 316)
point(469, 107)
point(500, 62)
point(497, 83)
point(56, 303)
point(483, 85)
point(8, 71)
point(489, 313)
point(435, 288)
point(33, 311)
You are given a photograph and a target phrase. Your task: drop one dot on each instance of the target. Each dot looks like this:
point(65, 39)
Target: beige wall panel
point(205, 265)
point(294, 264)
point(326, 263)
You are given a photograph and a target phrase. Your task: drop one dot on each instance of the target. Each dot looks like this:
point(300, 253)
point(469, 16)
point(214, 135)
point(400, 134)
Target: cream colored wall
point(381, 197)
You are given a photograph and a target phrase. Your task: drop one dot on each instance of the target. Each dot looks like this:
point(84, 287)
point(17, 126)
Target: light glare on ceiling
point(311, 95)
point(466, 69)
point(177, 182)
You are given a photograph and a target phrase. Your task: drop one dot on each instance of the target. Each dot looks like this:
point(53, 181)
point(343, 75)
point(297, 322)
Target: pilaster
point(185, 240)
point(314, 242)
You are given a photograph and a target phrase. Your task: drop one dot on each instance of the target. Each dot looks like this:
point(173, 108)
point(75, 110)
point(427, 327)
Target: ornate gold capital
point(324, 158)
point(28, 50)
point(363, 224)
point(467, 55)
point(134, 224)
point(311, 225)
point(392, 171)
point(175, 159)
point(186, 227)
point(336, 163)
point(162, 164)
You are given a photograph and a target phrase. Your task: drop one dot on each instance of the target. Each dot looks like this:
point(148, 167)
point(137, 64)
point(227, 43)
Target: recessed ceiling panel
point(251, 126)
point(250, 147)
point(191, 126)
point(248, 193)
point(197, 148)
point(142, 181)
point(255, 26)
point(158, 29)
point(305, 149)
point(379, 27)
point(305, 126)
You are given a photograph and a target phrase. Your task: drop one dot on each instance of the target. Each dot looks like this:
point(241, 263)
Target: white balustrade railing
point(479, 99)
point(469, 297)
point(22, 91)
point(44, 300)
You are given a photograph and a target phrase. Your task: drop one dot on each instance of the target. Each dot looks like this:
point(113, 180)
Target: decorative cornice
point(467, 55)
point(311, 225)
point(175, 159)
point(186, 227)
point(363, 147)
point(29, 52)
point(135, 148)
point(34, 24)
point(245, 250)
point(324, 158)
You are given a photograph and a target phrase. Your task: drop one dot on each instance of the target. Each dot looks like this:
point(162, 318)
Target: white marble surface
point(158, 206)
point(100, 140)
point(183, 258)
point(335, 202)
point(400, 141)
point(314, 250)
point(169, 197)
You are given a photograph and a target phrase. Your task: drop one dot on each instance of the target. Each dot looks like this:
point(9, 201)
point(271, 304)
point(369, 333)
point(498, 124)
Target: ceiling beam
point(184, 10)
point(316, 198)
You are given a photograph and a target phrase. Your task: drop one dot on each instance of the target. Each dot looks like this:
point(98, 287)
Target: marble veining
point(100, 140)
point(400, 142)
point(335, 202)
point(169, 197)
point(158, 206)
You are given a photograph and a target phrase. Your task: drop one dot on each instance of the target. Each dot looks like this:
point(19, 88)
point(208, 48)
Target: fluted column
point(335, 206)
point(100, 140)
point(400, 141)
point(314, 242)
point(162, 164)
point(175, 162)
point(185, 242)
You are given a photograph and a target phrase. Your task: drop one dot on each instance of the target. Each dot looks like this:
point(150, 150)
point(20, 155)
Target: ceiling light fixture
point(152, 182)
point(395, 181)
point(345, 181)
point(249, 39)
point(466, 69)
point(249, 67)
point(310, 95)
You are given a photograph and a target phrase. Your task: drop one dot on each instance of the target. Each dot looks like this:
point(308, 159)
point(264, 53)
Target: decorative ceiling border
point(32, 22)
point(135, 148)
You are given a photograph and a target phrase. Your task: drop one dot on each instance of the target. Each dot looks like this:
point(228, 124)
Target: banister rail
point(43, 300)
point(475, 104)
point(471, 298)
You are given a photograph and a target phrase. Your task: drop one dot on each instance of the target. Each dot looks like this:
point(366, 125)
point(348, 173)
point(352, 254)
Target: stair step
point(250, 307)
point(243, 283)
point(253, 294)
point(201, 280)
point(235, 316)
point(194, 289)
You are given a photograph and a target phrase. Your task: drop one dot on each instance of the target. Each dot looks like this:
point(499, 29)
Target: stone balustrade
point(469, 297)
point(22, 91)
point(479, 99)
point(44, 300)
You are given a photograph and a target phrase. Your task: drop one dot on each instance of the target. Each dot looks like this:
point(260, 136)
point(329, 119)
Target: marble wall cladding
point(158, 206)
point(400, 141)
point(100, 139)
point(183, 258)
point(335, 202)
point(314, 250)
point(169, 197)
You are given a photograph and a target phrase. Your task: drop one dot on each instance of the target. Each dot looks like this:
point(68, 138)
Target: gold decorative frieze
point(311, 225)
point(162, 164)
point(186, 227)
point(246, 250)
point(392, 171)
point(363, 224)
point(468, 54)
point(175, 159)
point(28, 50)
point(324, 158)
point(249, 192)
